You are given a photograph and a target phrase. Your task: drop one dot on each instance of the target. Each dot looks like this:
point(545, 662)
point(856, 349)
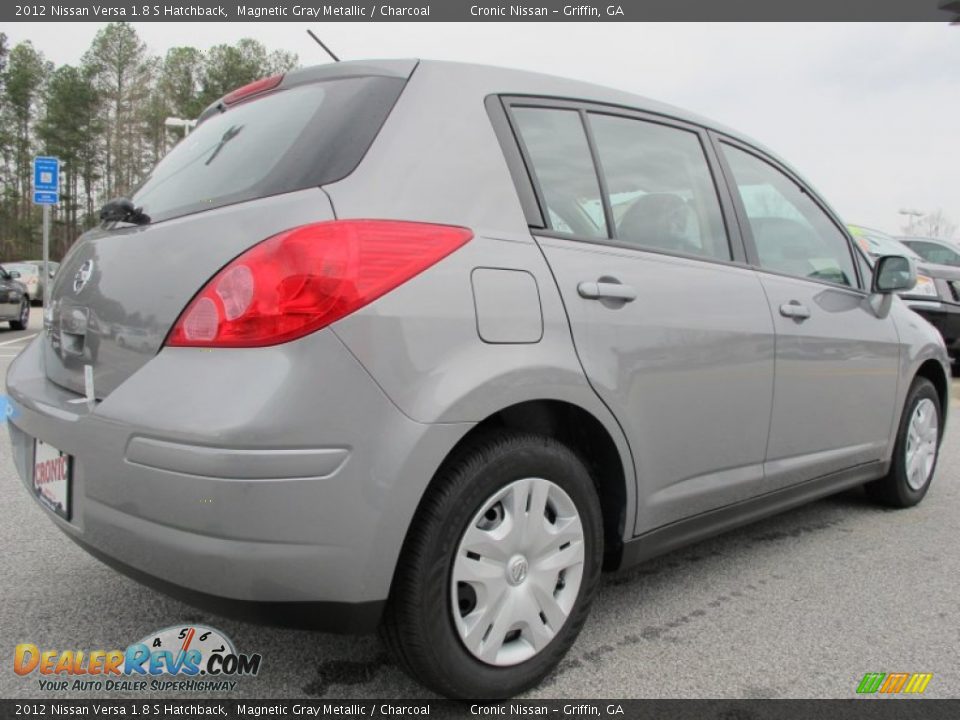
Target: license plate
point(51, 478)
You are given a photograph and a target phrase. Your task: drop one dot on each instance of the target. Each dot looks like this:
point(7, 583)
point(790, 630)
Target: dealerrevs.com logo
point(176, 659)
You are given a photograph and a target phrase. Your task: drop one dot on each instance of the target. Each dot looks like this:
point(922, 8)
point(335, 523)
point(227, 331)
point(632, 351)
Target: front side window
point(791, 233)
point(557, 146)
point(660, 187)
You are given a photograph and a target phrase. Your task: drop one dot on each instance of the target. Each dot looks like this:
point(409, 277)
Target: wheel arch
point(603, 451)
point(933, 371)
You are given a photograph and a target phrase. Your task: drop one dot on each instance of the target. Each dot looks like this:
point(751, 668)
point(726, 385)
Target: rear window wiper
point(122, 210)
point(229, 135)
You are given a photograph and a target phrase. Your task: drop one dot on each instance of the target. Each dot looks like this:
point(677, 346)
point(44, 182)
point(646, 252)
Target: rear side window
point(660, 187)
point(292, 139)
point(557, 146)
point(791, 233)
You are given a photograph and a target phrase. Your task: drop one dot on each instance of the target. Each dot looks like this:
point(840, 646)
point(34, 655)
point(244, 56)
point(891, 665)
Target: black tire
point(24, 316)
point(894, 490)
point(419, 628)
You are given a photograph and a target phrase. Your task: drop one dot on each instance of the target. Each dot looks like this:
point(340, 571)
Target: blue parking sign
point(46, 180)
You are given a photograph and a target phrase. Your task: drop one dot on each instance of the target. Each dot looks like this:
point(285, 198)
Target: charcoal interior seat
point(658, 220)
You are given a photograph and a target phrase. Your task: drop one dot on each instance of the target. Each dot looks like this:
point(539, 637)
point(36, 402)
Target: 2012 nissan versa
point(425, 346)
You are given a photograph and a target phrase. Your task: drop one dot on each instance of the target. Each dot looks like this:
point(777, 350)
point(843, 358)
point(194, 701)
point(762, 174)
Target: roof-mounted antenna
point(320, 43)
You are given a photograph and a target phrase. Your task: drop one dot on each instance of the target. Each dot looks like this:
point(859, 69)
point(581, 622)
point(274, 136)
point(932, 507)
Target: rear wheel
point(915, 453)
point(499, 568)
point(24, 317)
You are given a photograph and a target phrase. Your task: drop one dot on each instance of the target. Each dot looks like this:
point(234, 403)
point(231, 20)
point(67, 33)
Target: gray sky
point(869, 113)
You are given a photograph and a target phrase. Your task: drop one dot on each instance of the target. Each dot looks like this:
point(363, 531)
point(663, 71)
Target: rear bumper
point(272, 484)
point(336, 617)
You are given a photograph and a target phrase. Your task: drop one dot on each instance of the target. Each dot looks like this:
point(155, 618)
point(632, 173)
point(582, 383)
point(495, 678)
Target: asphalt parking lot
point(801, 605)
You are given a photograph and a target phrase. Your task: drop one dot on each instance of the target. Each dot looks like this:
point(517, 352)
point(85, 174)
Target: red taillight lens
point(254, 88)
point(306, 278)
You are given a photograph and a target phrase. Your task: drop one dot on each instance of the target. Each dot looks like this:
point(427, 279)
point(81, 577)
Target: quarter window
point(661, 191)
point(557, 146)
point(791, 233)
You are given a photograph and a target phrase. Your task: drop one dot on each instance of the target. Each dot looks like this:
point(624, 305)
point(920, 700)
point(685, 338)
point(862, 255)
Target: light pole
point(913, 215)
point(175, 122)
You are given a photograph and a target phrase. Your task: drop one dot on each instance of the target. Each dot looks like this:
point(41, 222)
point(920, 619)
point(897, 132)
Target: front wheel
point(23, 318)
point(498, 571)
point(915, 452)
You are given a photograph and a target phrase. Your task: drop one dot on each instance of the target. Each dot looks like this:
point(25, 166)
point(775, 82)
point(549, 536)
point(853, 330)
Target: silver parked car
point(52, 268)
point(425, 346)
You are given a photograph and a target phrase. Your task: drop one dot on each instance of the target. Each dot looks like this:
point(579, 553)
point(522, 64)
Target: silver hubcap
point(517, 571)
point(922, 436)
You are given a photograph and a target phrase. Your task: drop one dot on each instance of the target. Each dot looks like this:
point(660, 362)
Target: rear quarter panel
point(437, 159)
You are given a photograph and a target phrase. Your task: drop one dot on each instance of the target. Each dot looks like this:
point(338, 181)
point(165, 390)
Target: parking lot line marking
point(19, 339)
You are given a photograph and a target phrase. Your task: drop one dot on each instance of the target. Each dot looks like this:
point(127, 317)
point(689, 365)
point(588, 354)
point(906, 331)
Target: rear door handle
point(795, 310)
point(606, 291)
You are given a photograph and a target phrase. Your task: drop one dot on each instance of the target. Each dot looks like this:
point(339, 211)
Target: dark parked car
point(936, 295)
point(14, 303)
point(30, 277)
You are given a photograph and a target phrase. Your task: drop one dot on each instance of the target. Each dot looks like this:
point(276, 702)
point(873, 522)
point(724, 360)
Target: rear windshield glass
point(289, 140)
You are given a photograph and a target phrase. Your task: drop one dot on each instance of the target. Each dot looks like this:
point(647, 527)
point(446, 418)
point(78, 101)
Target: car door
point(672, 329)
point(837, 356)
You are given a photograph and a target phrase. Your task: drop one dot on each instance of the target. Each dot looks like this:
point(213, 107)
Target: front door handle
point(795, 310)
point(606, 291)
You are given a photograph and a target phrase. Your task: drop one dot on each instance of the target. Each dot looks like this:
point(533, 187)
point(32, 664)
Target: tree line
point(105, 119)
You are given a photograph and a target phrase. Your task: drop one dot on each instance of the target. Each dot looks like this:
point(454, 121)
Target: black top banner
point(477, 10)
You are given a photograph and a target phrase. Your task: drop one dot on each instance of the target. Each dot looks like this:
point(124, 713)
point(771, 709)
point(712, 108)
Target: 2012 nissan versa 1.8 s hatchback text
point(425, 346)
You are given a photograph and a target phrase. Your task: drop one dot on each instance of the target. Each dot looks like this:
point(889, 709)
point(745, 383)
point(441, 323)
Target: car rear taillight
point(303, 279)
point(254, 88)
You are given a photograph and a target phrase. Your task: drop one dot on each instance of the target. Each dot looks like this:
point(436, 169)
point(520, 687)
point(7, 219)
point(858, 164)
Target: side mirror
point(14, 274)
point(893, 273)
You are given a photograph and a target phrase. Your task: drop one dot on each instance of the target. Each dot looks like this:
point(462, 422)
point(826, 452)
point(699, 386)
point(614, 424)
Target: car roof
point(509, 81)
point(522, 82)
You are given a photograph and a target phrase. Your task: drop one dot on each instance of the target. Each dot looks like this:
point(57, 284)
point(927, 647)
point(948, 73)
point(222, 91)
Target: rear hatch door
point(249, 171)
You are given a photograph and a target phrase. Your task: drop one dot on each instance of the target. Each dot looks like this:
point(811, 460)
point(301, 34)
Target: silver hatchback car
point(425, 347)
